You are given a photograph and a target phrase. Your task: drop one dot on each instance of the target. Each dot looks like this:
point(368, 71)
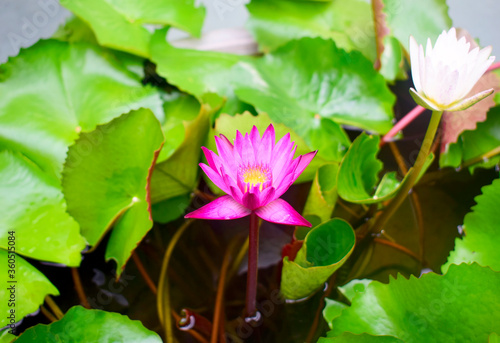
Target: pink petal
point(266, 196)
point(215, 177)
point(304, 162)
point(265, 150)
point(280, 212)
point(225, 149)
point(224, 207)
point(250, 201)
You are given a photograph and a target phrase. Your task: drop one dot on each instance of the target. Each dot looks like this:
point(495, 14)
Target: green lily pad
point(310, 79)
point(473, 145)
point(334, 308)
point(481, 240)
point(347, 337)
point(326, 247)
point(349, 24)
point(179, 108)
point(194, 71)
point(120, 24)
point(82, 325)
point(323, 194)
point(46, 99)
point(36, 211)
point(461, 305)
point(178, 174)
point(358, 173)
point(428, 19)
point(6, 337)
point(106, 178)
point(29, 289)
point(168, 210)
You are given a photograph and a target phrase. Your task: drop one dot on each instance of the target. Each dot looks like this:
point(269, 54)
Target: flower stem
point(79, 288)
point(253, 266)
point(414, 173)
point(163, 297)
point(400, 125)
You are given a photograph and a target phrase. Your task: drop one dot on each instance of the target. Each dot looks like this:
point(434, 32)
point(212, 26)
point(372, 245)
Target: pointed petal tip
point(281, 212)
point(468, 102)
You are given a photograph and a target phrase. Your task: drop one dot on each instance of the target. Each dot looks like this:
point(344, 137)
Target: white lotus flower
point(445, 75)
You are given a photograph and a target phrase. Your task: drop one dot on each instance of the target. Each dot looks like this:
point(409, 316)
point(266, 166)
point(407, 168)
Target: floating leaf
point(323, 194)
point(462, 304)
point(46, 99)
point(347, 337)
point(30, 288)
point(82, 325)
point(358, 173)
point(477, 148)
point(33, 207)
point(178, 174)
point(194, 71)
point(120, 24)
point(481, 240)
point(326, 247)
point(179, 108)
point(349, 24)
point(168, 210)
point(106, 178)
point(334, 308)
point(428, 19)
point(310, 79)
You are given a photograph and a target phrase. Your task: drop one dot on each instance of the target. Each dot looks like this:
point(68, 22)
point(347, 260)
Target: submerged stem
point(163, 298)
point(53, 306)
point(414, 173)
point(79, 288)
point(253, 266)
point(144, 273)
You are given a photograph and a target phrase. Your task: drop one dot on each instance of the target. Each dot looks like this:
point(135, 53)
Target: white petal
point(415, 64)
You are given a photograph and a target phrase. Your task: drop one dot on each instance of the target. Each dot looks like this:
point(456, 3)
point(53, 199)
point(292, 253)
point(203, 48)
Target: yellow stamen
point(253, 176)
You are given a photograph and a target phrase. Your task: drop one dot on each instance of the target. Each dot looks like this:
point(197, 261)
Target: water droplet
point(135, 199)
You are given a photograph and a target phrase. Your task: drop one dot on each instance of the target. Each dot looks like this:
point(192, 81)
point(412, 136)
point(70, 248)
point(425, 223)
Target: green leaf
point(358, 173)
point(120, 24)
point(178, 174)
point(392, 60)
point(30, 288)
point(193, 71)
point(82, 325)
point(310, 79)
point(36, 211)
point(179, 108)
point(106, 178)
point(168, 210)
point(462, 304)
point(347, 337)
point(6, 337)
point(349, 24)
point(334, 308)
point(473, 146)
point(323, 194)
point(326, 247)
point(481, 240)
point(494, 338)
point(428, 19)
point(53, 90)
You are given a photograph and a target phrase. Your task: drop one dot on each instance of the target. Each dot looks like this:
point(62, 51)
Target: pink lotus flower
point(254, 172)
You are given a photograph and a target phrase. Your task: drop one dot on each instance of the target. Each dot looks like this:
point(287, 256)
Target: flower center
point(255, 175)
